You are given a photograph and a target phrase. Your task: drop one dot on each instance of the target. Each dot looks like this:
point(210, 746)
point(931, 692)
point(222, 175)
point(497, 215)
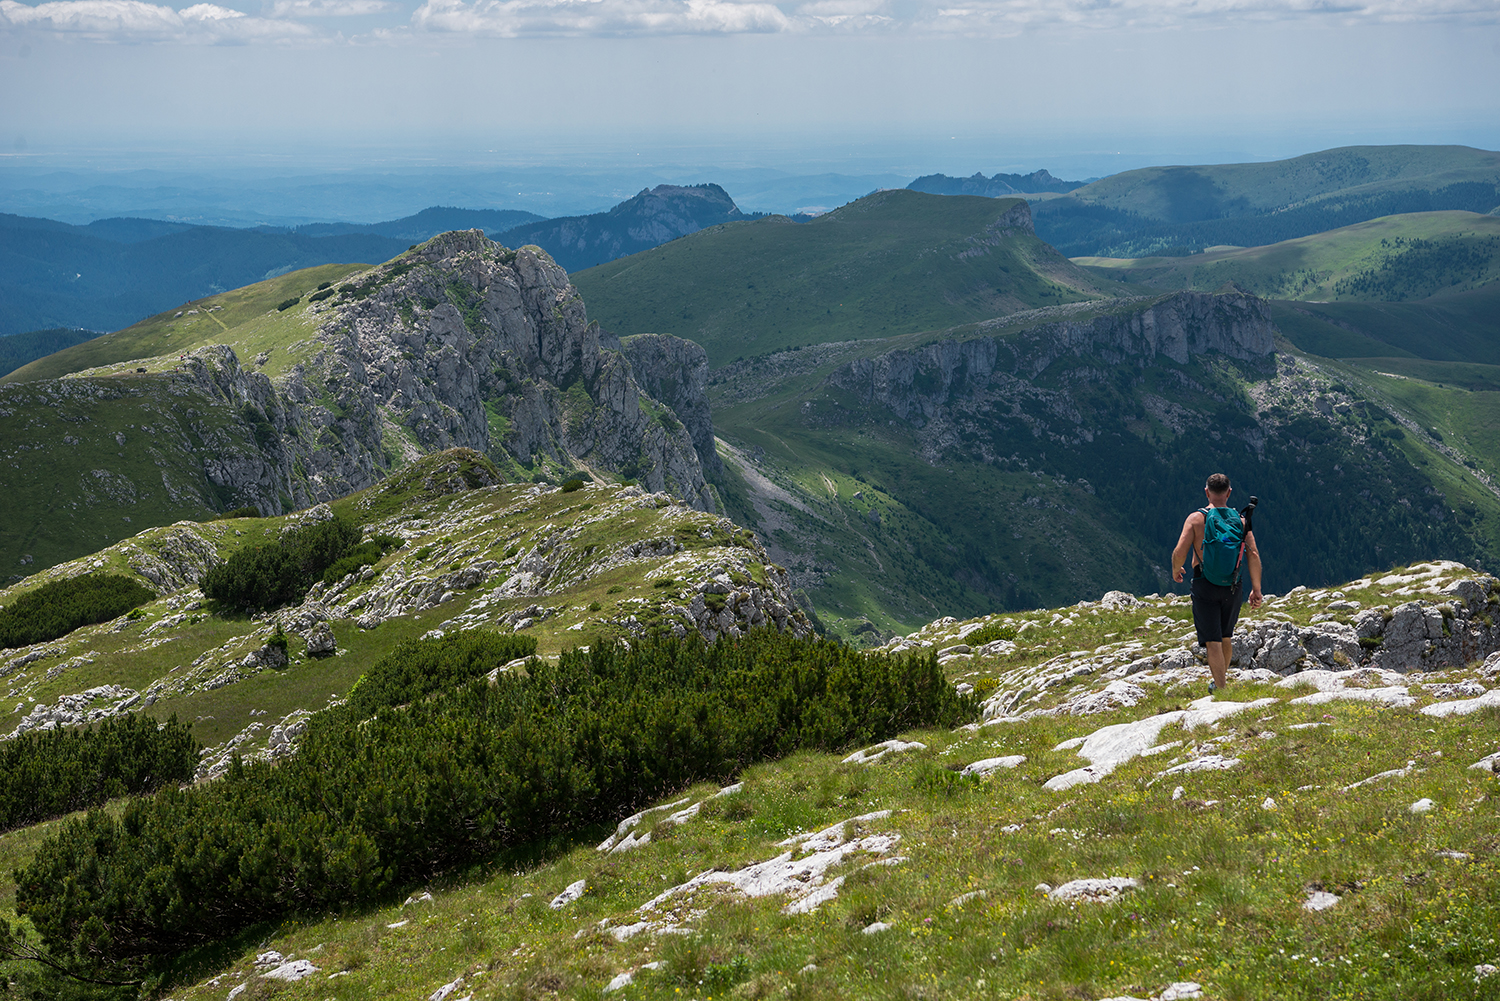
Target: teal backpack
point(1223, 545)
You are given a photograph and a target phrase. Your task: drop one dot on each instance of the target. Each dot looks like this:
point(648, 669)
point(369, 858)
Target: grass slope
point(1456, 327)
point(84, 463)
point(1178, 210)
point(1183, 194)
point(945, 900)
point(887, 264)
point(1460, 251)
point(246, 318)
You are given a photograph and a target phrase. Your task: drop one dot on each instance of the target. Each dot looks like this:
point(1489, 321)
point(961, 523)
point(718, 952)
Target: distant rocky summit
point(999, 186)
point(650, 219)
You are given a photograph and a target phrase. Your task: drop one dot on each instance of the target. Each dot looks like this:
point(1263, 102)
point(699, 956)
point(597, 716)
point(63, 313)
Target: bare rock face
point(917, 384)
point(674, 371)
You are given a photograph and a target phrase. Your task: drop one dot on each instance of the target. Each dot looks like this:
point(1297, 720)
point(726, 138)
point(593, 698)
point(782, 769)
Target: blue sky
point(859, 86)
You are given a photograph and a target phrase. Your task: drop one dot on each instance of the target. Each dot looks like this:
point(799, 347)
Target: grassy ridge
point(1325, 266)
point(246, 319)
point(890, 263)
point(1178, 194)
point(1180, 210)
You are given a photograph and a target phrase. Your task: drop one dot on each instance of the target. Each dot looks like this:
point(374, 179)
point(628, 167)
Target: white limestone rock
point(1094, 891)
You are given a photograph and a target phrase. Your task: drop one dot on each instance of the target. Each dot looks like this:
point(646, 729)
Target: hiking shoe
point(1211, 687)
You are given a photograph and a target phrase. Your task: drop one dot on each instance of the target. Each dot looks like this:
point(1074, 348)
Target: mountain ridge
point(458, 343)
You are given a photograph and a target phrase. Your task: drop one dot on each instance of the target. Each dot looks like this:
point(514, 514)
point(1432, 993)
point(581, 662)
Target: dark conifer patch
point(372, 804)
point(48, 774)
point(267, 576)
point(57, 608)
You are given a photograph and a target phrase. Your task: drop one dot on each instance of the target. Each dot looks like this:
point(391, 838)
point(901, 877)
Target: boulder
point(320, 641)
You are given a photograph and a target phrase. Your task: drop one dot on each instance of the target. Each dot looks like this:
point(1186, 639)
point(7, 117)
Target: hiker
point(1222, 546)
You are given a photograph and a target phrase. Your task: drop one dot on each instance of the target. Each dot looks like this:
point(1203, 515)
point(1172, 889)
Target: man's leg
point(1218, 662)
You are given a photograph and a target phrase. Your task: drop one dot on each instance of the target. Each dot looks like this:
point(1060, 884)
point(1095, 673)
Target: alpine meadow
point(680, 600)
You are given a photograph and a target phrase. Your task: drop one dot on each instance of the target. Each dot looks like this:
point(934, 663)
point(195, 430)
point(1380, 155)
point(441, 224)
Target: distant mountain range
point(999, 186)
point(1181, 210)
point(113, 272)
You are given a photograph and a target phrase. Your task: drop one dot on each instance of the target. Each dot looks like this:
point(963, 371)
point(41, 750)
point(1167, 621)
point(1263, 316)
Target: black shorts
point(1215, 609)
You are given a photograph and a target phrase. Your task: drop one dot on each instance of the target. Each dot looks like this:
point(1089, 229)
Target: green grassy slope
point(889, 263)
point(1177, 210)
point(1462, 326)
point(1181, 194)
point(1396, 257)
point(246, 319)
point(87, 462)
point(1223, 857)
point(575, 533)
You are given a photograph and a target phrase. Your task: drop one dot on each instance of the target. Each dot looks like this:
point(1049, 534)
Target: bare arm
point(1252, 557)
point(1192, 530)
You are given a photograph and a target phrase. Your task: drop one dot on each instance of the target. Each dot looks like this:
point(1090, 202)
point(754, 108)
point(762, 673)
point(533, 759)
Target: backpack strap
point(1198, 547)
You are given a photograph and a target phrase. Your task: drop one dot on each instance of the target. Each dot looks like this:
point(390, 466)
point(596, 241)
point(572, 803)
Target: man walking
point(1222, 548)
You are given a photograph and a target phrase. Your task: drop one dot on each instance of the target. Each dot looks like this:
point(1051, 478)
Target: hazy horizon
point(607, 96)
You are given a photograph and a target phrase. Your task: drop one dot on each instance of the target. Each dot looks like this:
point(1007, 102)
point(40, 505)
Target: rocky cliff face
point(916, 384)
point(675, 372)
point(460, 343)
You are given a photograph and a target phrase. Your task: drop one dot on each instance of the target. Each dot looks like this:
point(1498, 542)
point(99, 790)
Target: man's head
point(1217, 488)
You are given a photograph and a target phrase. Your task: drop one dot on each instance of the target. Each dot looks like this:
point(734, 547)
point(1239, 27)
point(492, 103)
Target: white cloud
point(136, 21)
point(511, 18)
point(330, 8)
point(1008, 16)
point(286, 20)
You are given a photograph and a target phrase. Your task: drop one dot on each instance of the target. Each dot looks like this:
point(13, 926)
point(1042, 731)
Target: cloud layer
point(287, 20)
point(134, 20)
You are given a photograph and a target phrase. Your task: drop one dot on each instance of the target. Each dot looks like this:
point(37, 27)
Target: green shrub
point(48, 774)
point(418, 667)
point(321, 294)
point(239, 512)
point(572, 485)
point(372, 804)
point(274, 574)
point(286, 304)
point(61, 606)
point(990, 633)
point(363, 555)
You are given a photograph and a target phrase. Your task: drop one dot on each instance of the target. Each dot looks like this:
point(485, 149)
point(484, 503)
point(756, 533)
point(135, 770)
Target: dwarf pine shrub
point(374, 803)
point(268, 576)
point(48, 774)
point(61, 606)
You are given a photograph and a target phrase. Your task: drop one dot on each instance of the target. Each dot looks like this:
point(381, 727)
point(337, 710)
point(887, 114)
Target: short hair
point(1218, 483)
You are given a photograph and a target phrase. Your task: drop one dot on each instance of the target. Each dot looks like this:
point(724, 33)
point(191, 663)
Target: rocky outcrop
point(916, 384)
point(675, 372)
point(459, 343)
